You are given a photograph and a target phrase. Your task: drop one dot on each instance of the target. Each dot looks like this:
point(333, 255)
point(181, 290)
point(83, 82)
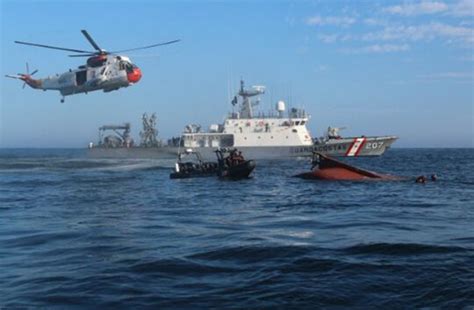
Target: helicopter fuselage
point(102, 72)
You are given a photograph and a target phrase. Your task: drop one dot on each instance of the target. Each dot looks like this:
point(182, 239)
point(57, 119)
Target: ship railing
point(299, 114)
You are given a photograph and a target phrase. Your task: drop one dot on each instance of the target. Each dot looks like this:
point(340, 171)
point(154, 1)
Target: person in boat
point(231, 159)
point(315, 161)
point(228, 160)
point(207, 167)
point(238, 158)
point(333, 133)
point(235, 158)
point(183, 168)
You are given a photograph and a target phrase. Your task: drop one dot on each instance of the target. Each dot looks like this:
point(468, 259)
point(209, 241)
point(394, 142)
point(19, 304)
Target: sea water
point(108, 233)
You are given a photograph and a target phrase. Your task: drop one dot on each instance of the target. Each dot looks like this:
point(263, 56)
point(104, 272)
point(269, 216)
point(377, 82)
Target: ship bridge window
point(297, 123)
point(303, 122)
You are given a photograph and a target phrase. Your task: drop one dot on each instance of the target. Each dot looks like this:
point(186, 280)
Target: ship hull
point(358, 146)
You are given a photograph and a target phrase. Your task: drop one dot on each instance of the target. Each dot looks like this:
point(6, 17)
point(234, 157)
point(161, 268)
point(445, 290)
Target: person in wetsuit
point(421, 179)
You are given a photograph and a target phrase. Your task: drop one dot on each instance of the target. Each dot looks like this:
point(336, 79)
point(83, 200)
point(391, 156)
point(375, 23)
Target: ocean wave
point(38, 239)
point(402, 249)
point(251, 253)
point(177, 267)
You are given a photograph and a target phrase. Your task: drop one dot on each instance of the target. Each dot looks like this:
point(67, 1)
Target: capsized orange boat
point(327, 168)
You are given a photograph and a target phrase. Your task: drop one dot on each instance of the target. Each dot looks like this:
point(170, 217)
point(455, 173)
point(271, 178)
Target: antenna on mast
point(228, 91)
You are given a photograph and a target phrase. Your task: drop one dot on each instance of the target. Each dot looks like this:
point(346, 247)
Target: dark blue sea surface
point(105, 233)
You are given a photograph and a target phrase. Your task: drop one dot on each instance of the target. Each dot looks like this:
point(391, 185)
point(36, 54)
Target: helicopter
point(104, 70)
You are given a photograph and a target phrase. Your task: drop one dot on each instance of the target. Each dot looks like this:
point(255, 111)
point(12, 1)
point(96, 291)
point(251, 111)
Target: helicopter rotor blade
point(84, 55)
point(53, 47)
point(32, 73)
point(91, 41)
point(23, 87)
point(27, 68)
point(145, 47)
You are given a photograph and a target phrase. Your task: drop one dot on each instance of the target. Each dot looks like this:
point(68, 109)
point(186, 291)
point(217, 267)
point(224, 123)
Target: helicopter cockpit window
point(129, 67)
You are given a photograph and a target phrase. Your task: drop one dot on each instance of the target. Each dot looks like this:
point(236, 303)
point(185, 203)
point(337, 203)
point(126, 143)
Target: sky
point(402, 68)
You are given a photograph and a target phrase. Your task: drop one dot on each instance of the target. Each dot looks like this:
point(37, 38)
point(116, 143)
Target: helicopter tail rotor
point(25, 77)
point(28, 74)
point(28, 70)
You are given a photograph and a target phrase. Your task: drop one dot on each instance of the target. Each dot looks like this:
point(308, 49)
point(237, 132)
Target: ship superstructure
point(247, 128)
point(118, 136)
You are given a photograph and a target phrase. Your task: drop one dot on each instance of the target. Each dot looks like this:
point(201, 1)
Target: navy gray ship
point(280, 134)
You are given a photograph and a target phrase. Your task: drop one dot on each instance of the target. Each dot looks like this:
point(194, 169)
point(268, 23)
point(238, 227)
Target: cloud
point(375, 22)
point(414, 33)
point(394, 33)
point(411, 9)
point(425, 32)
point(463, 8)
point(460, 8)
point(331, 38)
point(328, 38)
point(461, 77)
point(448, 75)
point(378, 49)
point(321, 68)
point(343, 21)
point(467, 58)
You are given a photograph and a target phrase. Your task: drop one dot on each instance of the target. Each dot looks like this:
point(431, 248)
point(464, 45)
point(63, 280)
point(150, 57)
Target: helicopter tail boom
point(27, 78)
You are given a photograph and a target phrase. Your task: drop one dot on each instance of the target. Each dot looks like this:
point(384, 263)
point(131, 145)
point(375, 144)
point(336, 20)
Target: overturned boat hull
point(333, 170)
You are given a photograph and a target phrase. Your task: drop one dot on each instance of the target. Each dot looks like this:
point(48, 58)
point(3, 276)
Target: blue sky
point(391, 67)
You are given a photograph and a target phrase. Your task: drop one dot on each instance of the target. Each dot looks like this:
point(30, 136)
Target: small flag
point(234, 101)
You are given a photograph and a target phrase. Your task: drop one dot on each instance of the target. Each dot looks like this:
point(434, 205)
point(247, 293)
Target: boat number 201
point(374, 145)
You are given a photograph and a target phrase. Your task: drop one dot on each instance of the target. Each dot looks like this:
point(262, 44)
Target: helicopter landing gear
point(62, 100)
